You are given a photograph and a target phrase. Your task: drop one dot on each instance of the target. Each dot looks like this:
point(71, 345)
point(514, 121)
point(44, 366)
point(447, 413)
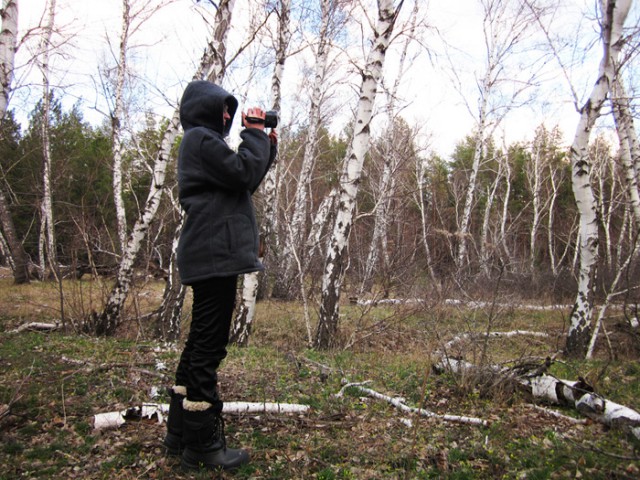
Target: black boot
point(204, 441)
point(173, 440)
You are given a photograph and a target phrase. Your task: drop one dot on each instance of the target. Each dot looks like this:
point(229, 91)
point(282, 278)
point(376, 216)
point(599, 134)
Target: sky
point(171, 42)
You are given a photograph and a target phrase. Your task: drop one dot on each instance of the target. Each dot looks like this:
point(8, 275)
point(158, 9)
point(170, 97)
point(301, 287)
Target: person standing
point(219, 242)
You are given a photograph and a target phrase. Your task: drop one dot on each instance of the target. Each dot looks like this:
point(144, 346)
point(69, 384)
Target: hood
point(202, 106)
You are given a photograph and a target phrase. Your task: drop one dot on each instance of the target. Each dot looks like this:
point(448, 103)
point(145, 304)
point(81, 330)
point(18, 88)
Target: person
point(218, 242)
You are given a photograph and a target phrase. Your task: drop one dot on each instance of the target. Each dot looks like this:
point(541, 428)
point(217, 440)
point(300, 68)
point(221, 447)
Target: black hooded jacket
point(220, 236)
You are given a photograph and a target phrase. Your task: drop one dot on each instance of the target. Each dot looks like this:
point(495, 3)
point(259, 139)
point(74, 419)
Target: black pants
point(213, 305)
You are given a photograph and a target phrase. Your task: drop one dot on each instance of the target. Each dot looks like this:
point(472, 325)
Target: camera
point(270, 119)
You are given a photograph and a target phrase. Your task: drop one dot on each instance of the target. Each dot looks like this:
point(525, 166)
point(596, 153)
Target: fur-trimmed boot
point(173, 440)
point(204, 441)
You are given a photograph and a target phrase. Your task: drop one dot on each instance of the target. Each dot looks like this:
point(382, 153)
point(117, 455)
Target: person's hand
point(273, 136)
point(254, 118)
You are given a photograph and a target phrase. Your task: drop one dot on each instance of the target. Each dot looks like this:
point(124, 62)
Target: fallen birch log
point(107, 420)
point(36, 326)
point(547, 388)
point(399, 404)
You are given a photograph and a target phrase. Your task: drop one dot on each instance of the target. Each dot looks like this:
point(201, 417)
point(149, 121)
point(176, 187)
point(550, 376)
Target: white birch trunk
point(506, 26)
point(421, 166)
point(47, 229)
point(103, 421)
point(212, 68)
point(117, 121)
point(350, 178)
point(170, 311)
point(241, 328)
point(270, 184)
point(505, 212)
point(296, 231)
point(213, 64)
point(628, 141)
point(485, 254)
point(550, 219)
point(610, 210)
point(625, 225)
point(535, 186)
point(463, 232)
point(5, 251)
point(581, 316)
point(319, 222)
point(390, 157)
point(110, 318)
point(8, 42)
point(601, 159)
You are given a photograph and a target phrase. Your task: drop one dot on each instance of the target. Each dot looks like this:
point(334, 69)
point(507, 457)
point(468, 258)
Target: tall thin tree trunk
point(350, 178)
point(297, 227)
point(550, 227)
point(463, 232)
point(49, 260)
point(613, 18)
point(212, 67)
point(117, 124)
point(107, 322)
point(628, 140)
point(387, 184)
point(505, 212)
point(535, 184)
point(241, 328)
point(422, 206)
point(8, 42)
point(170, 311)
point(485, 254)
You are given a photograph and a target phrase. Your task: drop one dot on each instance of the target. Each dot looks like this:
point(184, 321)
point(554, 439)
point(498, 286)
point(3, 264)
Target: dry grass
point(55, 382)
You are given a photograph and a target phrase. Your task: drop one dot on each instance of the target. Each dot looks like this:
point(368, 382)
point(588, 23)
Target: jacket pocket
point(233, 242)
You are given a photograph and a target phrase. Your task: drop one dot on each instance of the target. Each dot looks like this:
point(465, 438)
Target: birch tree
point(117, 122)
point(211, 67)
point(47, 233)
point(506, 27)
point(613, 16)
point(391, 158)
point(8, 45)
point(135, 13)
point(332, 18)
point(241, 328)
point(629, 145)
point(351, 174)
point(537, 169)
point(491, 193)
point(420, 198)
point(606, 186)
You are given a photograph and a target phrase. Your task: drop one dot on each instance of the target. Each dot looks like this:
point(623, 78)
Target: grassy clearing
point(56, 382)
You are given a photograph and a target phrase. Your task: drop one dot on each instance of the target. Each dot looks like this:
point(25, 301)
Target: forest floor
point(55, 382)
